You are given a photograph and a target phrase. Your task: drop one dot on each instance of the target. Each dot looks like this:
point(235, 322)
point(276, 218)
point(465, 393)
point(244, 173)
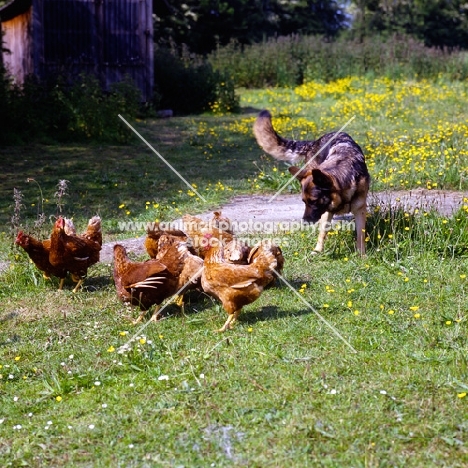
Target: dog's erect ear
point(321, 179)
point(297, 172)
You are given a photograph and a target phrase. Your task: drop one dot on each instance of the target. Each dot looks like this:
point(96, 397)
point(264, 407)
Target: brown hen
point(196, 229)
point(236, 285)
point(38, 252)
point(221, 222)
point(72, 253)
point(174, 252)
point(142, 284)
point(153, 235)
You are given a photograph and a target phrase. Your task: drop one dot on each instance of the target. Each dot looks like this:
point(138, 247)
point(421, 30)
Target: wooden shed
point(108, 38)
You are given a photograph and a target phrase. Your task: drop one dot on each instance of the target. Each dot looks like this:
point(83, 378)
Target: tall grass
point(293, 60)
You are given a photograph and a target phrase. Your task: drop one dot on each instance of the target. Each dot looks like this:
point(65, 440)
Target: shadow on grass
point(9, 316)
point(10, 341)
point(270, 313)
point(93, 283)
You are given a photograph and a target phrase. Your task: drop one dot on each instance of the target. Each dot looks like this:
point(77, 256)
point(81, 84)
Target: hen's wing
point(176, 255)
point(141, 283)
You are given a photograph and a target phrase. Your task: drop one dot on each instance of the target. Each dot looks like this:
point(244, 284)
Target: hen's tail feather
point(252, 252)
point(264, 259)
point(148, 282)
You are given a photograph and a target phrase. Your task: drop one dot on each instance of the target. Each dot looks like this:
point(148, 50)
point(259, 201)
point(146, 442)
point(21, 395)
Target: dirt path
point(287, 208)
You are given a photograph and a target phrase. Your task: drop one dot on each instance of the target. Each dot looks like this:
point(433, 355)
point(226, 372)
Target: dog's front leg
point(360, 218)
point(324, 227)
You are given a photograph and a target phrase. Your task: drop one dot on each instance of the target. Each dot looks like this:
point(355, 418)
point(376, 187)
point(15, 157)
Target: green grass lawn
point(365, 364)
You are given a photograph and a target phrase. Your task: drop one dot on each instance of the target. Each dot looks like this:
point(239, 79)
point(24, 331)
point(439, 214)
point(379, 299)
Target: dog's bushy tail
point(271, 142)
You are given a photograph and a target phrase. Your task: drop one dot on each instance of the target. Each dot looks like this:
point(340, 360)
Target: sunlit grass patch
point(413, 132)
point(87, 378)
point(77, 378)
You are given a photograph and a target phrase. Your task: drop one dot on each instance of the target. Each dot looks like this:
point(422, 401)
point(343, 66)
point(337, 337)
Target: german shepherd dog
point(334, 178)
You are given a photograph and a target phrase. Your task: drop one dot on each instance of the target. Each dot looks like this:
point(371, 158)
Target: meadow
point(381, 381)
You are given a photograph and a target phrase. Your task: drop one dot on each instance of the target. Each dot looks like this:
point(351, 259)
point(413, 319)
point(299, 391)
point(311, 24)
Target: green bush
point(93, 114)
point(293, 60)
point(65, 110)
point(187, 84)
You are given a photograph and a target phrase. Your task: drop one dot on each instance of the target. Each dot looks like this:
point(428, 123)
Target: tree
point(204, 24)
point(439, 23)
point(445, 23)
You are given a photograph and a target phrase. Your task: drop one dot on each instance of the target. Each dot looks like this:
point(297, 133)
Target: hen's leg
point(155, 316)
point(226, 325)
point(140, 317)
point(78, 285)
point(62, 280)
point(180, 302)
point(235, 315)
point(230, 321)
point(143, 309)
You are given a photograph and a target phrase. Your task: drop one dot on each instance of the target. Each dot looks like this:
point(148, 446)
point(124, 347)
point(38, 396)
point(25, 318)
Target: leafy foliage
point(292, 60)
point(205, 24)
point(438, 23)
point(65, 110)
point(187, 84)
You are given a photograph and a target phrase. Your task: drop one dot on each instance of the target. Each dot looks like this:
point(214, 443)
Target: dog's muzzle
point(311, 219)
